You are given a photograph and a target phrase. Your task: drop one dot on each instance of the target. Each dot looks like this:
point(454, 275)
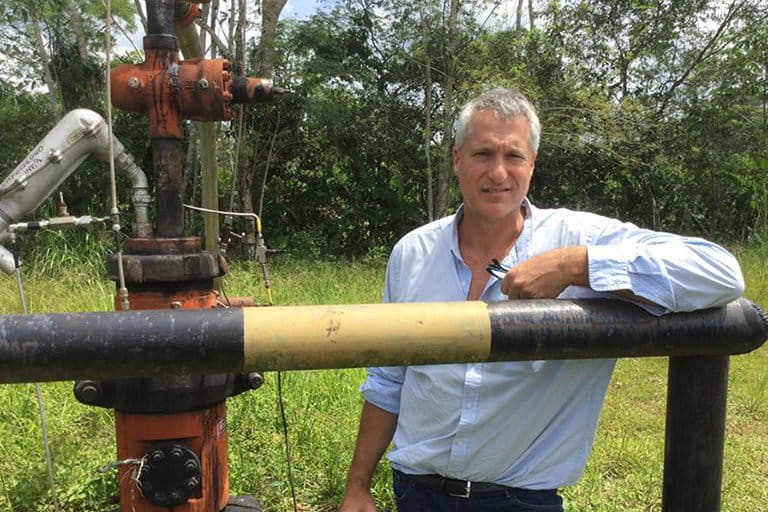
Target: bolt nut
point(225, 75)
point(203, 83)
point(55, 156)
point(190, 465)
point(191, 483)
point(88, 391)
point(177, 454)
point(176, 304)
point(157, 456)
point(255, 380)
point(160, 497)
point(134, 83)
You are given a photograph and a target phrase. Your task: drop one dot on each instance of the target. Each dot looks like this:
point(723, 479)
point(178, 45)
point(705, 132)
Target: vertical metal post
point(695, 433)
point(166, 144)
point(160, 15)
point(166, 159)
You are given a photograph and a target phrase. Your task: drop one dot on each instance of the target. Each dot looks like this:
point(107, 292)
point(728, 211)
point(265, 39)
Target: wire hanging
point(114, 212)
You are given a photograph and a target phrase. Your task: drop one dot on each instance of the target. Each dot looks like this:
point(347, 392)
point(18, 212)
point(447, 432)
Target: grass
point(624, 472)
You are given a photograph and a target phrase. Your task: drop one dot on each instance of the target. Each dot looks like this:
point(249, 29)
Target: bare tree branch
point(140, 11)
point(702, 55)
point(215, 39)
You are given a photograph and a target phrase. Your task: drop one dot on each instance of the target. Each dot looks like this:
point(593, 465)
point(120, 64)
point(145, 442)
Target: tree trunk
point(265, 57)
point(214, 16)
point(531, 23)
point(77, 28)
point(53, 90)
point(519, 22)
point(265, 63)
point(90, 87)
point(427, 113)
point(140, 10)
point(446, 172)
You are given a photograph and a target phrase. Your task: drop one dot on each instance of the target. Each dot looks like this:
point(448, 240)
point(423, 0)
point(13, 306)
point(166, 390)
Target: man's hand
point(546, 275)
point(377, 427)
point(357, 501)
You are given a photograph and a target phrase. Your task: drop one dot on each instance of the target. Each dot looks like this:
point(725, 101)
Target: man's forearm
point(377, 427)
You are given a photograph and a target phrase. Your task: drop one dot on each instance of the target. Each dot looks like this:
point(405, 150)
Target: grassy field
point(624, 472)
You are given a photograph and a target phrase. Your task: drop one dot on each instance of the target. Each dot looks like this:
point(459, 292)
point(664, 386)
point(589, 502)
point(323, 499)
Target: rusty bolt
point(203, 83)
point(227, 96)
point(255, 380)
point(134, 83)
point(176, 304)
point(225, 75)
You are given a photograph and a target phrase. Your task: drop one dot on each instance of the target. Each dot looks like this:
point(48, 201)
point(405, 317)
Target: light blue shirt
point(528, 424)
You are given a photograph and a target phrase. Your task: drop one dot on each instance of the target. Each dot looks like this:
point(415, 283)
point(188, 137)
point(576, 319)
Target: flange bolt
point(87, 391)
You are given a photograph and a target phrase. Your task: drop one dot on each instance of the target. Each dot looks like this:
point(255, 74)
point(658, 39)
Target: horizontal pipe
point(177, 342)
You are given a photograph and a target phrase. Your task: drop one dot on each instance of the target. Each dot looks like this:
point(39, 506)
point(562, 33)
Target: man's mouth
point(495, 190)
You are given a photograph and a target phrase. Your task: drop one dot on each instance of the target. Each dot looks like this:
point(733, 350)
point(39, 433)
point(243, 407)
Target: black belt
point(458, 488)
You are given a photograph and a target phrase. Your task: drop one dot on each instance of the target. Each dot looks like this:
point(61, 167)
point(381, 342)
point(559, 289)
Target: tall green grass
point(322, 407)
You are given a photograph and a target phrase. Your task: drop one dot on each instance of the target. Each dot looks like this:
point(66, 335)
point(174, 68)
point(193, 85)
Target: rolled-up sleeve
point(677, 273)
point(382, 387)
point(384, 383)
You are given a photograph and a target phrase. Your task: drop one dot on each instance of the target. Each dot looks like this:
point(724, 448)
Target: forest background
point(653, 112)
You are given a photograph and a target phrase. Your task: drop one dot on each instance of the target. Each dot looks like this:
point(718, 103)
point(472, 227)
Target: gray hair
point(505, 104)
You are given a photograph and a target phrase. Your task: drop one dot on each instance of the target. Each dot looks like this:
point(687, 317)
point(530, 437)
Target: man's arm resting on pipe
point(377, 427)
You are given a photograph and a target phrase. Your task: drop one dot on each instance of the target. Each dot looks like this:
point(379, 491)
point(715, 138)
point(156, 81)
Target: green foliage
point(652, 112)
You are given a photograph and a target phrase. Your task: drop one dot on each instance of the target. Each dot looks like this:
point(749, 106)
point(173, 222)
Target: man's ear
point(456, 160)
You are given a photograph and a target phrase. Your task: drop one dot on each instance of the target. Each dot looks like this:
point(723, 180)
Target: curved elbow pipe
point(79, 134)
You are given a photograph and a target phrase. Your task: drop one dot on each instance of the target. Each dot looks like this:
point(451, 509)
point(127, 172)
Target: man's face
point(494, 166)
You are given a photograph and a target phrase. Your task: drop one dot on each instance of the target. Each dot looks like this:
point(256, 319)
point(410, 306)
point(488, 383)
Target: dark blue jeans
point(413, 497)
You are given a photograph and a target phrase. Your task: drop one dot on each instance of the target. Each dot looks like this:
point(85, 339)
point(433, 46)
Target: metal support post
point(695, 433)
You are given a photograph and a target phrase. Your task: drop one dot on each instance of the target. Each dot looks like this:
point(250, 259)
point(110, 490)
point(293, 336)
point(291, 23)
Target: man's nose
point(497, 171)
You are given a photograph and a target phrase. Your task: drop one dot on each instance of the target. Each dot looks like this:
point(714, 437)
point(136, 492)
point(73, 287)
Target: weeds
point(624, 472)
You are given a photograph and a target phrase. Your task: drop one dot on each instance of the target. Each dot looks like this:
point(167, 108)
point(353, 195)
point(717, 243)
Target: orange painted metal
point(192, 14)
point(186, 299)
point(204, 432)
point(167, 90)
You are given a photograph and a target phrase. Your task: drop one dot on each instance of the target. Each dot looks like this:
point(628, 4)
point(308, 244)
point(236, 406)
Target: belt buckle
point(467, 491)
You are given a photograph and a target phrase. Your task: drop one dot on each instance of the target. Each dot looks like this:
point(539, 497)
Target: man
point(506, 436)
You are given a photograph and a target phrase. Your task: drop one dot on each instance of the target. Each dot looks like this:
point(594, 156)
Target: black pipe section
point(167, 166)
point(695, 434)
point(182, 342)
point(160, 17)
point(593, 329)
point(120, 344)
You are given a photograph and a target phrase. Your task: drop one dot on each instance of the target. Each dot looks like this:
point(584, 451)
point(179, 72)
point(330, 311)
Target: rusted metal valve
point(168, 90)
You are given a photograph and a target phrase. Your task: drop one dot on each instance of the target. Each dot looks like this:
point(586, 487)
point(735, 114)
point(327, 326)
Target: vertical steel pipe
point(695, 434)
point(167, 164)
point(160, 17)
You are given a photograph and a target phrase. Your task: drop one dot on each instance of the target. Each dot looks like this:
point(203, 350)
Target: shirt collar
point(523, 239)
